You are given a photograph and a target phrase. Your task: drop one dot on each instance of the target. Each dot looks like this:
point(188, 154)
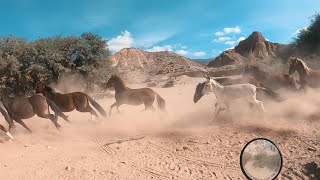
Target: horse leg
point(218, 109)
point(22, 124)
point(7, 132)
point(113, 105)
point(54, 119)
point(149, 107)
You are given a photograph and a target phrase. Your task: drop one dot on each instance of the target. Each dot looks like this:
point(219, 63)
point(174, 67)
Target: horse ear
point(207, 77)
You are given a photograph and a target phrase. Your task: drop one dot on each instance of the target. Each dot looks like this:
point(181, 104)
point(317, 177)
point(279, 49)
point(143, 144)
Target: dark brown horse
point(7, 117)
point(135, 97)
point(307, 76)
point(71, 101)
point(273, 81)
point(26, 107)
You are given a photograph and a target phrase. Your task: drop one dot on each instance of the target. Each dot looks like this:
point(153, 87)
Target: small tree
point(308, 39)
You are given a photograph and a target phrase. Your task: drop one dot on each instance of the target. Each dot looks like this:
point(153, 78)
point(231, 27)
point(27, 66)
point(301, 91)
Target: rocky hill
point(254, 48)
point(132, 61)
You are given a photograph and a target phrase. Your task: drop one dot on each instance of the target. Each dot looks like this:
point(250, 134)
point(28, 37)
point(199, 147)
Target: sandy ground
point(183, 143)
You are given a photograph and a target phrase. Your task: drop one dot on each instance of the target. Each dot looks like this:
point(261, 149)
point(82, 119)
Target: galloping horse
point(135, 97)
point(71, 101)
point(273, 81)
point(253, 81)
point(241, 80)
point(26, 107)
point(226, 94)
point(307, 76)
point(7, 117)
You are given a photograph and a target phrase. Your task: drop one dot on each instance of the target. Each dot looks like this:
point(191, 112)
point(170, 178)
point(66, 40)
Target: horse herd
point(225, 89)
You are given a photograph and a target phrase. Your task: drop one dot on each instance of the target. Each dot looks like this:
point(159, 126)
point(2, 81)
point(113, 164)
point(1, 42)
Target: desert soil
point(183, 143)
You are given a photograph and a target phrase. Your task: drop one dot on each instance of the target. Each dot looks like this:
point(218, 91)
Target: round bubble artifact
point(261, 159)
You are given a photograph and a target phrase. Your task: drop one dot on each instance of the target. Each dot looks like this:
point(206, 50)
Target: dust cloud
point(185, 138)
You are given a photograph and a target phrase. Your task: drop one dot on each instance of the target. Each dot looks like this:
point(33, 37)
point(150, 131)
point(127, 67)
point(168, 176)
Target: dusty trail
point(181, 144)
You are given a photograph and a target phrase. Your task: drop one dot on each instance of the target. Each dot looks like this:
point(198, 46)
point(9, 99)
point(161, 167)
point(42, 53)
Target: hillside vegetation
point(25, 64)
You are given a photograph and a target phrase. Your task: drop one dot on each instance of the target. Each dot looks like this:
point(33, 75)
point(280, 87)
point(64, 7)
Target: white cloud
point(222, 39)
point(241, 39)
point(229, 30)
point(300, 29)
point(230, 48)
point(160, 48)
point(219, 33)
point(147, 40)
point(267, 39)
point(125, 40)
point(230, 42)
point(199, 53)
point(182, 52)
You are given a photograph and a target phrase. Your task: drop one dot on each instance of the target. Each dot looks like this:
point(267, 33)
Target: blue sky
point(195, 29)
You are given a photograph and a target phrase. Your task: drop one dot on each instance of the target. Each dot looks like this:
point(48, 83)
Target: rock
point(68, 168)
point(186, 148)
point(49, 147)
point(132, 61)
point(311, 149)
point(172, 166)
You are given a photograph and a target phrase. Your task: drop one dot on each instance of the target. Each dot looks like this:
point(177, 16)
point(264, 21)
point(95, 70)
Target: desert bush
point(23, 64)
point(308, 39)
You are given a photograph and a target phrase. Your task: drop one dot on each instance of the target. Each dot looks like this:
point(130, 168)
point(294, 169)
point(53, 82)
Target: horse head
point(294, 65)
point(40, 88)
point(199, 92)
point(116, 82)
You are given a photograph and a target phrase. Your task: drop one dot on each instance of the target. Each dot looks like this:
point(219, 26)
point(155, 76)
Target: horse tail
point(273, 94)
point(56, 109)
point(97, 106)
point(161, 102)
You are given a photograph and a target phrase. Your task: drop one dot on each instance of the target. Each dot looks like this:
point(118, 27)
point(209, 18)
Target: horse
point(226, 94)
point(135, 97)
point(71, 101)
point(250, 80)
point(273, 81)
point(26, 107)
point(307, 76)
point(7, 117)
point(241, 80)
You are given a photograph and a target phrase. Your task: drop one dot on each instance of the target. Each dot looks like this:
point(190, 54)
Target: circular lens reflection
point(261, 160)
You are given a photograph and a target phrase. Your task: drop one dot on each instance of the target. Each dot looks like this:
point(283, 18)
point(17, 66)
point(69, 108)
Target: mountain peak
point(256, 36)
point(254, 48)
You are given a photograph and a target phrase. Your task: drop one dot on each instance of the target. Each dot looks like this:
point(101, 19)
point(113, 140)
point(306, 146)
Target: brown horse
point(273, 81)
point(7, 117)
point(71, 101)
point(307, 76)
point(26, 107)
point(135, 97)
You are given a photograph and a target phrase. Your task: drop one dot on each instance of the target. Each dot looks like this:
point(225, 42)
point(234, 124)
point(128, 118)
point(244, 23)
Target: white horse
point(226, 94)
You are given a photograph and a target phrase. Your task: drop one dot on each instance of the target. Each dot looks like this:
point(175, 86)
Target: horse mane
point(215, 81)
point(304, 65)
point(200, 86)
point(119, 79)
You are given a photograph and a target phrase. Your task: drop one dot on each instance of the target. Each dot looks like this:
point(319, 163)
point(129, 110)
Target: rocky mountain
point(203, 61)
point(132, 61)
point(254, 48)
